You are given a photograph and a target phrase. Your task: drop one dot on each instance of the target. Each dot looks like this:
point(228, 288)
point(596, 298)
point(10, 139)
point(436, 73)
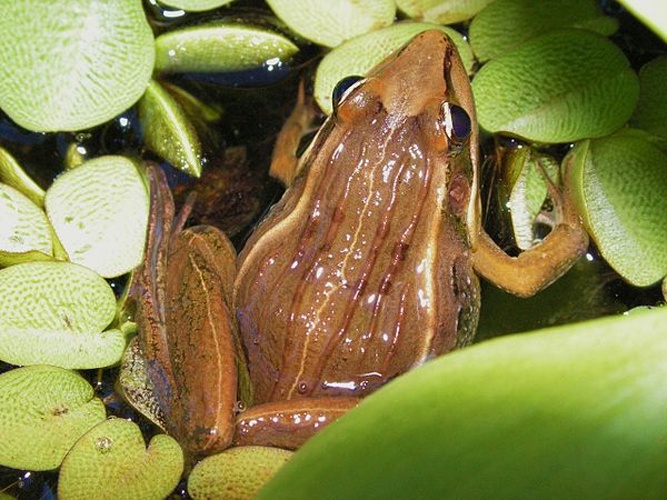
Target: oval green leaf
point(25, 232)
point(99, 211)
point(441, 11)
point(331, 22)
point(11, 173)
point(359, 55)
point(69, 66)
point(167, 130)
point(195, 5)
point(221, 46)
point(235, 473)
point(620, 184)
point(45, 410)
point(54, 313)
point(557, 413)
point(506, 24)
point(111, 461)
point(651, 111)
point(561, 87)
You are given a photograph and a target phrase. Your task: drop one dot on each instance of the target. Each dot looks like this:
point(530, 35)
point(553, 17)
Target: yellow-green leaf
point(44, 411)
point(111, 461)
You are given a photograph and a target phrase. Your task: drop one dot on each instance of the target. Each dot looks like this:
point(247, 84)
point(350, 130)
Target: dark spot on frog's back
point(401, 250)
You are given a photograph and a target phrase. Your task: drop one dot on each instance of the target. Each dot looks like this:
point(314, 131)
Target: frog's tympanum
point(366, 268)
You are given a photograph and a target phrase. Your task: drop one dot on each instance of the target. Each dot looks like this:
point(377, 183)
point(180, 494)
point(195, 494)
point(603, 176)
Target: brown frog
point(366, 268)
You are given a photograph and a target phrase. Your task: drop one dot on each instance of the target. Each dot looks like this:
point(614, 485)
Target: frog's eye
point(342, 87)
point(456, 121)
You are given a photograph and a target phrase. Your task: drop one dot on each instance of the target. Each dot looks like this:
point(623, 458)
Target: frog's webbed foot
point(539, 266)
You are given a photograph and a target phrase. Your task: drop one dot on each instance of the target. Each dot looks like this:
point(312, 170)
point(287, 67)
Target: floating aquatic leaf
point(99, 211)
point(111, 461)
point(167, 130)
point(221, 46)
point(72, 65)
point(25, 232)
point(569, 412)
point(358, 55)
point(235, 473)
point(651, 111)
point(55, 313)
point(195, 5)
point(45, 409)
point(506, 24)
point(564, 86)
point(620, 184)
point(441, 11)
point(331, 22)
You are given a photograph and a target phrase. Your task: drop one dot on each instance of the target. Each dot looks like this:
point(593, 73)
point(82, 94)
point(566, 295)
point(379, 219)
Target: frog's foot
point(539, 266)
point(289, 424)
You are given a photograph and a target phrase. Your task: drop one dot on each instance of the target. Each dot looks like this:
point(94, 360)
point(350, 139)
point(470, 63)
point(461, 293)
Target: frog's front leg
point(539, 266)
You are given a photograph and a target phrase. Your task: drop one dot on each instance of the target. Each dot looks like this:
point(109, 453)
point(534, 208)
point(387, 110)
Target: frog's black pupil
point(342, 86)
point(460, 121)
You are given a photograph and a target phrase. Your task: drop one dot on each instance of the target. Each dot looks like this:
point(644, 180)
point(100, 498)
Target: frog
point(366, 268)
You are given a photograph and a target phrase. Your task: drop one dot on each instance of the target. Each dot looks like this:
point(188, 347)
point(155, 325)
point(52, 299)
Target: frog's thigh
point(535, 268)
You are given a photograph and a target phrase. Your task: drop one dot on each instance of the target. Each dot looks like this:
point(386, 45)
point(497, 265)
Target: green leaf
point(619, 184)
point(44, 411)
point(651, 111)
point(111, 461)
point(506, 24)
point(331, 22)
point(650, 13)
point(235, 473)
point(570, 412)
point(564, 86)
point(99, 211)
point(359, 55)
point(221, 46)
point(25, 232)
point(72, 65)
point(195, 5)
point(441, 11)
point(54, 313)
point(12, 174)
point(167, 130)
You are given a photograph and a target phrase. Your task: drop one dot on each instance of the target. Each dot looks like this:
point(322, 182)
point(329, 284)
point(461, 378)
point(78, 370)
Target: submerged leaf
point(12, 174)
point(111, 461)
point(564, 86)
point(569, 412)
point(44, 411)
point(72, 65)
point(54, 313)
